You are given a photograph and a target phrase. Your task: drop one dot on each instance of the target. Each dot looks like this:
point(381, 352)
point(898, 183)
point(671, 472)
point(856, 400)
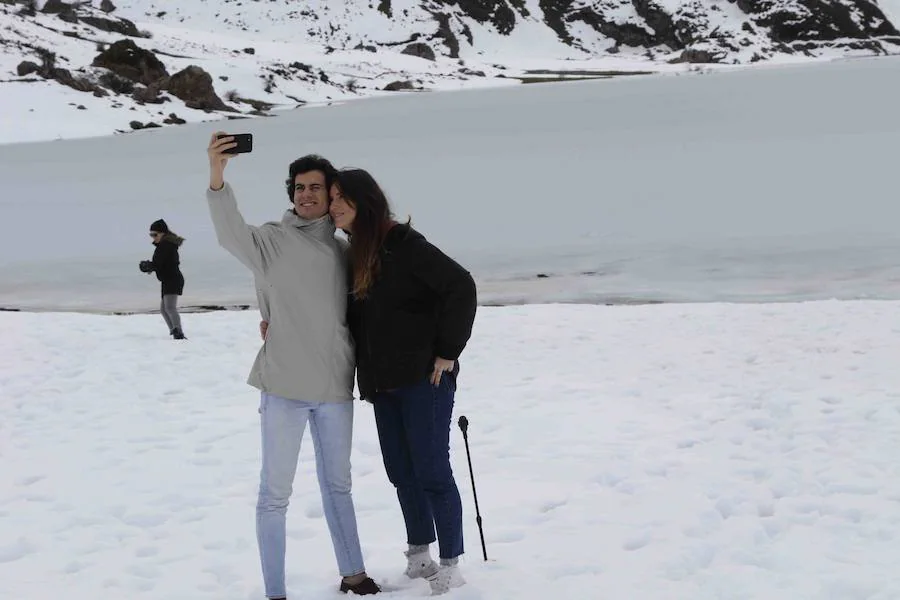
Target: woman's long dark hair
point(370, 226)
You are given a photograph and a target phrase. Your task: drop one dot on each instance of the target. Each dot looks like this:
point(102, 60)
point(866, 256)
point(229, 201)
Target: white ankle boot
point(446, 578)
point(420, 565)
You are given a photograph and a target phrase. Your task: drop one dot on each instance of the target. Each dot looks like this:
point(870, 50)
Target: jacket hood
point(171, 238)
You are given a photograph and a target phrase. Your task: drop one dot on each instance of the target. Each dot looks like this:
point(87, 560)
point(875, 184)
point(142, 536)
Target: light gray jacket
point(300, 269)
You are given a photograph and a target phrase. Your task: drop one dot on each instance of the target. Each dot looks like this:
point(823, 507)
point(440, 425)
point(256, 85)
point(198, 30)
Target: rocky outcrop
point(81, 12)
point(420, 50)
point(138, 71)
point(126, 59)
point(696, 31)
point(48, 69)
point(399, 86)
point(120, 26)
point(194, 87)
point(807, 20)
point(693, 31)
point(501, 14)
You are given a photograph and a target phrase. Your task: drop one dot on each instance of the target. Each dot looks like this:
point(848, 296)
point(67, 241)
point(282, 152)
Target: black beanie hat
point(159, 226)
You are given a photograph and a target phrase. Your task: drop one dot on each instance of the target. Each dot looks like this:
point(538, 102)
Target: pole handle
point(464, 424)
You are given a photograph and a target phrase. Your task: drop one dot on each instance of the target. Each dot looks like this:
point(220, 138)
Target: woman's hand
point(218, 159)
point(440, 365)
point(263, 328)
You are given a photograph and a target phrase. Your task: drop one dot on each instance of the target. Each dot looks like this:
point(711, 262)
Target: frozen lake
point(776, 183)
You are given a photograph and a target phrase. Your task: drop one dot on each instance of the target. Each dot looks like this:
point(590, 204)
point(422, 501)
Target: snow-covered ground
point(684, 452)
point(766, 184)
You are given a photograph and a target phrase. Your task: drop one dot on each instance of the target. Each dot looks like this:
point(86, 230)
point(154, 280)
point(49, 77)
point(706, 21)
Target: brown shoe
point(364, 587)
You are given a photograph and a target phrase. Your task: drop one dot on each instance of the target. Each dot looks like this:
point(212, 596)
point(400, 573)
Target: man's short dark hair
point(306, 164)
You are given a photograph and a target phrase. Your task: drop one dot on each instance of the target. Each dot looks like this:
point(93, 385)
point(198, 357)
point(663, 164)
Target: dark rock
point(660, 21)
point(148, 95)
point(65, 77)
point(555, 16)
point(627, 34)
point(69, 16)
point(446, 35)
point(26, 67)
point(48, 70)
point(301, 66)
point(54, 7)
point(194, 86)
point(107, 6)
point(48, 63)
point(420, 50)
point(249, 50)
point(174, 119)
point(136, 125)
point(398, 86)
point(126, 59)
point(691, 55)
point(117, 84)
point(120, 26)
point(498, 13)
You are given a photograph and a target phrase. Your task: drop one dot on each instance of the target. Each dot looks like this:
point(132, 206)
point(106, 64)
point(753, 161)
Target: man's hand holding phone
point(222, 148)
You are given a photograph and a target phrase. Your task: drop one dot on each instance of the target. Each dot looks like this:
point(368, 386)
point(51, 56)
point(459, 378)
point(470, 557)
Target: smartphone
point(244, 143)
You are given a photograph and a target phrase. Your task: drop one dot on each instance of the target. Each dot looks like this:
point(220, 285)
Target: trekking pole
point(464, 426)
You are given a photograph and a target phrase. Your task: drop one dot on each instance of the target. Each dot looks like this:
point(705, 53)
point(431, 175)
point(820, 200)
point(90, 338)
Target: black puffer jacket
point(166, 264)
point(421, 306)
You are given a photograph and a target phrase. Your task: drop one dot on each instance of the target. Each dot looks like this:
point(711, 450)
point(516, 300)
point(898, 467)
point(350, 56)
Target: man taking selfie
point(305, 368)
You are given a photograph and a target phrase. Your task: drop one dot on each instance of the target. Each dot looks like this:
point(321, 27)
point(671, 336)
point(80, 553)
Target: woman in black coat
point(165, 263)
point(411, 313)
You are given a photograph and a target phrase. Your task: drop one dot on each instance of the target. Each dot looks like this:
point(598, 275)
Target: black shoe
point(363, 588)
point(178, 334)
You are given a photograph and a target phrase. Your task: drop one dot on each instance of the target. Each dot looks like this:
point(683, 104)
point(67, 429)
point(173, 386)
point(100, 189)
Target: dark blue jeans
point(414, 431)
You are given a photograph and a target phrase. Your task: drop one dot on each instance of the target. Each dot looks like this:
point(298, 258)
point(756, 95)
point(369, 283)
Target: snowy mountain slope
point(891, 10)
point(248, 74)
point(139, 63)
point(470, 29)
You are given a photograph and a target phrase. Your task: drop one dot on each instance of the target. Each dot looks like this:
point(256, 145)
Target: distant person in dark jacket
point(411, 313)
point(165, 263)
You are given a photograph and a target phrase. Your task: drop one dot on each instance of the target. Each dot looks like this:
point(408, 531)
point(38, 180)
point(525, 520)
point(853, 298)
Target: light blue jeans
point(331, 426)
